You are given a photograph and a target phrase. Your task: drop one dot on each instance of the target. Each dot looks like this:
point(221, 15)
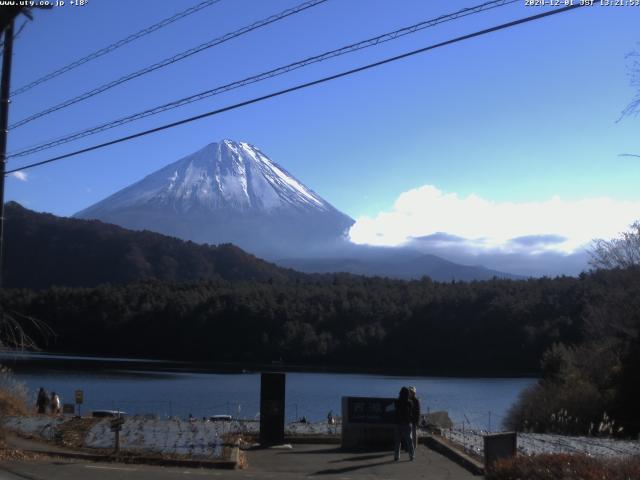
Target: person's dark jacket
point(415, 410)
point(43, 399)
point(404, 408)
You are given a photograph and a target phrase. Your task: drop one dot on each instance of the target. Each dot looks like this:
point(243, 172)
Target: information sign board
point(116, 424)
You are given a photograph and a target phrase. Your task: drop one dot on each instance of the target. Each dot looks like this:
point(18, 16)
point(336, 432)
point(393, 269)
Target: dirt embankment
point(71, 434)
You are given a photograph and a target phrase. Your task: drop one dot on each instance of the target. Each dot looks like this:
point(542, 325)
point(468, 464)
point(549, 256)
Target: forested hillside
point(43, 250)
point(493, 327)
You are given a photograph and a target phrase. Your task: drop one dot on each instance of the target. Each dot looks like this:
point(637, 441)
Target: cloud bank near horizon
point(471, 227)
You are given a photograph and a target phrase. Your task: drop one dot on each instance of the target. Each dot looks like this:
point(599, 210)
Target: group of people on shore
point(46, 401)
point(407, 418)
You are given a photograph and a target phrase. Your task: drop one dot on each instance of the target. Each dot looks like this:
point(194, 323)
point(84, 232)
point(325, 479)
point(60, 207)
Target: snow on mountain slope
point(221, 175)
point(227, 192)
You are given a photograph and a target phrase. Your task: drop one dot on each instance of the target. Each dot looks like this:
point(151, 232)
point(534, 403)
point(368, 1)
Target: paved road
point(8, 476)
point(303, 461)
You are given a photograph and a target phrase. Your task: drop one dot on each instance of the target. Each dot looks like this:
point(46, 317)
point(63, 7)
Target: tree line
point(498, 327)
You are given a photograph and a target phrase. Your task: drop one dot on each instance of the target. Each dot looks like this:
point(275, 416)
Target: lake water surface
point(479, 402)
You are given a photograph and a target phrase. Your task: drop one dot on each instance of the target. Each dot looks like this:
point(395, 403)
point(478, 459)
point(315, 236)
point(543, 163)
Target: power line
point(170, 60)
point(263, 76)
point(302, 86)
point(115, 46)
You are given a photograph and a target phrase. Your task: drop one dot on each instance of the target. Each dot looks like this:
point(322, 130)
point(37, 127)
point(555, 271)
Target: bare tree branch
point(633, 72)
point(13, 331)
point(620, 252)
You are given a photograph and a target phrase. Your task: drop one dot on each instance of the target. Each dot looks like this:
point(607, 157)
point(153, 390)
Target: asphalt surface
point(302, 461)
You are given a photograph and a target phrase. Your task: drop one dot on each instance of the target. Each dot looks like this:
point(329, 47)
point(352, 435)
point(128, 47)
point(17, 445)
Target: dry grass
point(565, 466)
point(7, 454)
point(71, 433)
point(13, 394)
point(13, 401)
point(10, 404)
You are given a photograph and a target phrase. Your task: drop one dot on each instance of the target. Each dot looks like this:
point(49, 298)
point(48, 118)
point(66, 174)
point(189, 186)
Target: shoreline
point(82, 361)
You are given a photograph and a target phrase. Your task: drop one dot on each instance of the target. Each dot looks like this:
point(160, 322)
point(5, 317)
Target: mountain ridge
point(43, 250)
point(403, 264)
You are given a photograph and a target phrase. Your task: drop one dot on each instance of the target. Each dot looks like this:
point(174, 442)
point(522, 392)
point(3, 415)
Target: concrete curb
point(230, 464)
point(461, 458)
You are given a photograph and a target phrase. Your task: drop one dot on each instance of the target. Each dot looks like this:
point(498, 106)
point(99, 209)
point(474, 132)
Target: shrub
point(574, 395)
point(565, 466)
point(13, 394)
point(570, 409)
point(13, 399)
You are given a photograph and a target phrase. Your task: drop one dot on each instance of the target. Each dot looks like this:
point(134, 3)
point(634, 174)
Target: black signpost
point(116, 426)
point(272, 395)
point(79, 394)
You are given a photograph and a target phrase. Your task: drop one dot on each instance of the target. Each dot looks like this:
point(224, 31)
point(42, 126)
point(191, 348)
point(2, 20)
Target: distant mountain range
point(42, 250)
point(395, 263)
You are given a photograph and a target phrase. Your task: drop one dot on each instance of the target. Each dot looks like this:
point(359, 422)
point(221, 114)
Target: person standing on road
point(42, 401)
point(404, 409)
point(415, 416)
point(55, 404)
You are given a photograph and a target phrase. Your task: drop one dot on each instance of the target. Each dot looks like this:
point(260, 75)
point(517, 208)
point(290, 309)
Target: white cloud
point(20, 175)
point(554, 225)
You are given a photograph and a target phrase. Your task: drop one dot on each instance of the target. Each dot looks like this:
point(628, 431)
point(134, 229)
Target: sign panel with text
point(371, 410)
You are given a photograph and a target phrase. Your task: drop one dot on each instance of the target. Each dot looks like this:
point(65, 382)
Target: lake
point(139, 387)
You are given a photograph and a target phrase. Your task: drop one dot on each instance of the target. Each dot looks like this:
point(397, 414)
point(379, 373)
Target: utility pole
point(4, 123)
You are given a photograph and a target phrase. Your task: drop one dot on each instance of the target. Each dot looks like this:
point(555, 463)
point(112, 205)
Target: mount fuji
point(228, 192)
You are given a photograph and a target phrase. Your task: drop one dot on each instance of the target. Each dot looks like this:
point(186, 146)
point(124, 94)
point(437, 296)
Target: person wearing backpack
point(55, 404)
point(404, 409)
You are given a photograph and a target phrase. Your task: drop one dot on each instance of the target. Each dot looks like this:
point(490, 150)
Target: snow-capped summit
point(222, 175)
point(227, 192)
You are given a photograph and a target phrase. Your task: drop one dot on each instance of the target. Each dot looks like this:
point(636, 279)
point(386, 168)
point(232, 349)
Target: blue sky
point(520, 116)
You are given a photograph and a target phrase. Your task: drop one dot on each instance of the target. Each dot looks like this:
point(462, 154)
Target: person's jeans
point(403, 434)
point(414, 435)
